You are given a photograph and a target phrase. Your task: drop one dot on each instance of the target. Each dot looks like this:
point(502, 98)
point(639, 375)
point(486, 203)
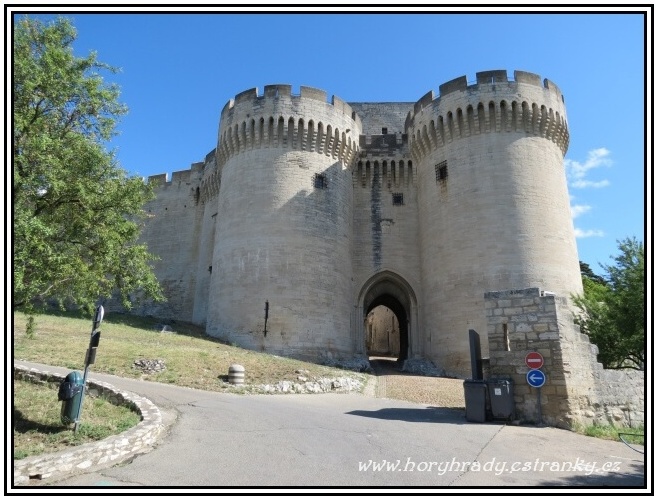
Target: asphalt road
point(336, 441)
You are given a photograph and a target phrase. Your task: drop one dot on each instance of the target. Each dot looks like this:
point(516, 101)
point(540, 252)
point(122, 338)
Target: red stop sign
point(534, 360)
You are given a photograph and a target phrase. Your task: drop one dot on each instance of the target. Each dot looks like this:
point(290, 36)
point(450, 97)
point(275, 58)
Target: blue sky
point(179, 69)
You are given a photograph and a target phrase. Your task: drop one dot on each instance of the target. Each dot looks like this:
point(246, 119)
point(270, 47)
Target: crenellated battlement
point(180, 176)
point(486, 78)
point(279, 118)
point(284, 91)
point(204, 178)
point(491, 104)
point(498, 76)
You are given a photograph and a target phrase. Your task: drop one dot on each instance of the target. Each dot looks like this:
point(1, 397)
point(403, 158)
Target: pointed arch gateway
point(391, 290)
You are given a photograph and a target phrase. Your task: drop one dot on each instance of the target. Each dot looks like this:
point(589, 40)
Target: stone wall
point(380, 115)
point(172, 232)
point(619, 398)
point(577, 389)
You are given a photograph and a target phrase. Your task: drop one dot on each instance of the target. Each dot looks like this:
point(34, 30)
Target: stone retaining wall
point(619, 398)
point(577, 390)
point(91, 456)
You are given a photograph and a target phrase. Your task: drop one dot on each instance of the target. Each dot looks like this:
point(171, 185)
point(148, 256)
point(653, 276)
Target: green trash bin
point(475, 399)
point(70, 394)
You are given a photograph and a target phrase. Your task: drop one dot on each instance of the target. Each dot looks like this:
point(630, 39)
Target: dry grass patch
point(192, 359)
point(37, 427)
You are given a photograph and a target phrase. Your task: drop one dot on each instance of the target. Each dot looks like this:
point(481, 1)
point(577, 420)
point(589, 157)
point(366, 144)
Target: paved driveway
point(331, 440)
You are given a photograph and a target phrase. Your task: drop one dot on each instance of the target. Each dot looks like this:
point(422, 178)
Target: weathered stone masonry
point(327, 209)
point(577, 388)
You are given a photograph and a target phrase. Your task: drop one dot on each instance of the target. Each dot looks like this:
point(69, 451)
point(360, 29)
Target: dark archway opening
point(394, 305)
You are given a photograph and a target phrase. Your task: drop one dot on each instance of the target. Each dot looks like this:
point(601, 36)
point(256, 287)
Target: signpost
point(90, 358)
point(535, 377)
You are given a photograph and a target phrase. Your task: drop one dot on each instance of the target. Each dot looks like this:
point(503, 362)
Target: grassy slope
point(192, 358)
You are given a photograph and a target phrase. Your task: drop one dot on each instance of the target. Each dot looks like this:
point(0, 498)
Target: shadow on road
point(429, 414)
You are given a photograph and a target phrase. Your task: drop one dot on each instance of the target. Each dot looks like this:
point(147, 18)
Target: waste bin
point(475, 398)
point(70, 394)
point(501, 396)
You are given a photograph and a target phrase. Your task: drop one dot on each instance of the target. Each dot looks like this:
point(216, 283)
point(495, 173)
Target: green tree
point(586, 272)
point(612, 312)
point(76, 214)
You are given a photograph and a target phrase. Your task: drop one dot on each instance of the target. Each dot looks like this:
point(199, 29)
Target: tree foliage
point(76, 214)
point(612, 311)
point(586, 272)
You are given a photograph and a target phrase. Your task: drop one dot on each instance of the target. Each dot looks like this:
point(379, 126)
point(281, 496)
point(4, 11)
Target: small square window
point(320, 181)
point(441, 171)
point(384, 131)
point(398, 199)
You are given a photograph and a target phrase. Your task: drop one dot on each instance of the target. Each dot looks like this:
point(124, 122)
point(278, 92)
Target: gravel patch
point(393, 383)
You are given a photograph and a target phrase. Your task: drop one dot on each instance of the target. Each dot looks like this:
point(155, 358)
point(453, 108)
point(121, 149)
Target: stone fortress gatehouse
point(348, 219)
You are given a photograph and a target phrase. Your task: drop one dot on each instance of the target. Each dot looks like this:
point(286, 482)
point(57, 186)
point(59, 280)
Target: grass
point(634, 435)
point(37, 427)
point(192, 358)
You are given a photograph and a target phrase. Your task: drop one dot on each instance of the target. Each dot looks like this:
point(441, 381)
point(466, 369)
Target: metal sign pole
point(536, 379)
point(89, 359)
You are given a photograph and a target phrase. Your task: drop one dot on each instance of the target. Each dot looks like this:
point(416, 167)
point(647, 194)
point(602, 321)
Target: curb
point(91, 456)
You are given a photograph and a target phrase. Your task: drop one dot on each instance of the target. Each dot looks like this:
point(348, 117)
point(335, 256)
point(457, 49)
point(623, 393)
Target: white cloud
point(580, 233)
point(577, 172)
point(577, 210)
point(590, 184)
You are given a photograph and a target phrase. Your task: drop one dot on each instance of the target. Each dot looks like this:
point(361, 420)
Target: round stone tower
point(281, 266)
point(494, 210)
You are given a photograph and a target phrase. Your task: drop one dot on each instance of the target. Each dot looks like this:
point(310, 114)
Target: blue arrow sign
point(535, 378)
